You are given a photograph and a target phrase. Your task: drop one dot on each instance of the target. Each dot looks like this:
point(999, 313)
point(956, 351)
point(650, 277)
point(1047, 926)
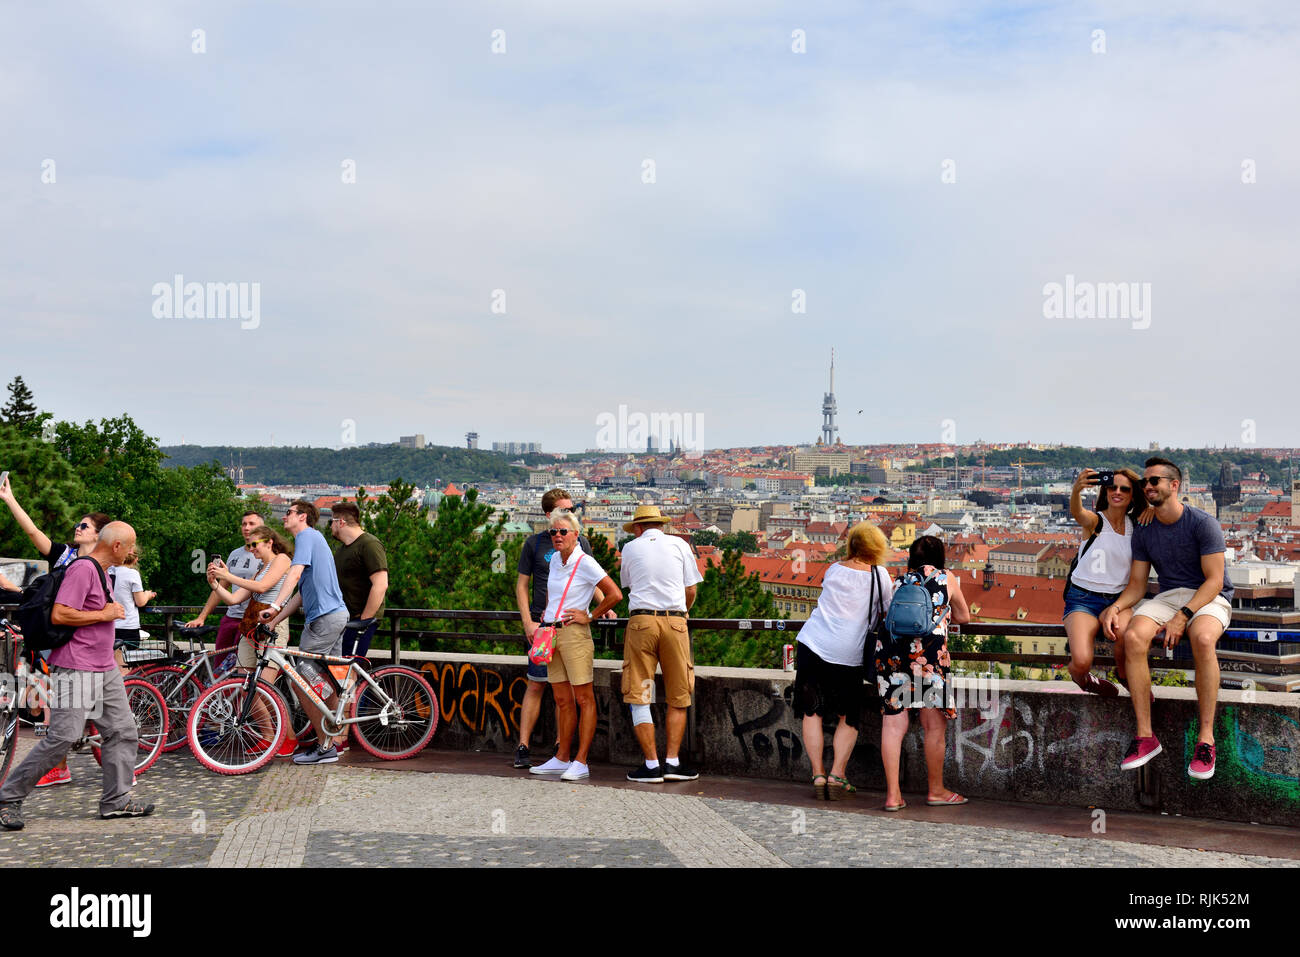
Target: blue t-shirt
point(319, 584)
point(1175, 551)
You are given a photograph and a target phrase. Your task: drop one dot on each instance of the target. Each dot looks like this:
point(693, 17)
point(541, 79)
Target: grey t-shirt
point(1175, 551)
point(242, 564)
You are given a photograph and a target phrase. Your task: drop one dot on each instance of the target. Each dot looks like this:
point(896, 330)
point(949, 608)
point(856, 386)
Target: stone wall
point(1031, 741)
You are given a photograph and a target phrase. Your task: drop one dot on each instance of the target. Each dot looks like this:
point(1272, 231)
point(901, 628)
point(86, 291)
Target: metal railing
point(607, 634)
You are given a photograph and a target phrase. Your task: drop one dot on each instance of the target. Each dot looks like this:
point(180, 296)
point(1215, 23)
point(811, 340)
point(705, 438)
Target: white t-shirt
point(242, 564)
point(126, 582)
point(589, 575)
point(1105, 568)
point(656, 571)
point(836, 630)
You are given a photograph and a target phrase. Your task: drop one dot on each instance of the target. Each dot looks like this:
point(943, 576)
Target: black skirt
point(827, 690)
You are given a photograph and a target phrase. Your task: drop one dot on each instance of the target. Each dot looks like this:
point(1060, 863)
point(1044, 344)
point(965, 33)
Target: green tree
point(20, 411)
point(704, 537)
point(746, 542)
point(729, 591)
point(45, 485)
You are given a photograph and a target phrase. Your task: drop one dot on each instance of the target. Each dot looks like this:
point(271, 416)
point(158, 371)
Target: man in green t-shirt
point(362, 567)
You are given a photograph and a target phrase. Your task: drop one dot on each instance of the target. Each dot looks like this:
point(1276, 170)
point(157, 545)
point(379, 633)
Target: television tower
point(829, 428)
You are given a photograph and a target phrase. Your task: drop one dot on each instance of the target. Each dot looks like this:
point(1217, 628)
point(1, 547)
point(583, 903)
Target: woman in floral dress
point(913, 673)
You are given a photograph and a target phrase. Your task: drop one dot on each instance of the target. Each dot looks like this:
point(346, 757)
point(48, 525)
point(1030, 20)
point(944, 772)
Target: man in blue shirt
point(1185, 546)
point(326, 615)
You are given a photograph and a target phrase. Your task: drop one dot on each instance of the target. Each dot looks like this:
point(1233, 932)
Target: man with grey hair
point(85, 682)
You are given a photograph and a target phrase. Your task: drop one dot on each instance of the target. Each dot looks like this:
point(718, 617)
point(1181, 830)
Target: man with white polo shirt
point(660, 573)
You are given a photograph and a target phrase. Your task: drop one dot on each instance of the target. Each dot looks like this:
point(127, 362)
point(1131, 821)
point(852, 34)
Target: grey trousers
point(74, 695)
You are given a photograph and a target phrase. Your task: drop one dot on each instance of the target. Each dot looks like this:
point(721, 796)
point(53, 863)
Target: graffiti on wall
point(767, 734)
point(477, 698)
point(1257, 747)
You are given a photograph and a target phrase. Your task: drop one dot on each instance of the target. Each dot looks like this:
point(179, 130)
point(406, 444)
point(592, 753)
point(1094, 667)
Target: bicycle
point(237, 725)
point(184, 676)
point(144, 699)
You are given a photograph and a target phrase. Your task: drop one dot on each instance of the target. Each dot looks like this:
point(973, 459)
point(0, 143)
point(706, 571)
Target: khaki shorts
point(247, 655)
point(657, 640)
point(574, 652)
point(1166, 604)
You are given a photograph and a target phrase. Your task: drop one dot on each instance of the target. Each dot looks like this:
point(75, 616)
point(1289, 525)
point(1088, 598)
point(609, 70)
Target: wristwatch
point(1188, 612)
point(279, 607)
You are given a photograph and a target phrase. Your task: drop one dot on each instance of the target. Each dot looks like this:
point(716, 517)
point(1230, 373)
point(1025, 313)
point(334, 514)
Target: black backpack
point(37, 604)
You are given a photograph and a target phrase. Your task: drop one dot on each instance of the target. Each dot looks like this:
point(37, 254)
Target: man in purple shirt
point(85, 683)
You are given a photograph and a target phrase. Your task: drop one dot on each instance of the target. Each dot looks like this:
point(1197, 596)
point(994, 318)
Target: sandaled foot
point(896, 807)
point(838, 788)
point(819, 787)
point(952, 798)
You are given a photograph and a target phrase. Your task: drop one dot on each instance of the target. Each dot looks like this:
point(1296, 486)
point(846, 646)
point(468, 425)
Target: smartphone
point(1104, 477)
point(4, 476)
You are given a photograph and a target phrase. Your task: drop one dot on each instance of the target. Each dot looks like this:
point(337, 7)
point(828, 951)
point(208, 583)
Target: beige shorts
point(247, 655)
point(661, 640)
point(574, 653)
point(1166, 604)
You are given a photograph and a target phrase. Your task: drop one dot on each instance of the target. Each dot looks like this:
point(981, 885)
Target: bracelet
point(277, 606)
point(1188, 612)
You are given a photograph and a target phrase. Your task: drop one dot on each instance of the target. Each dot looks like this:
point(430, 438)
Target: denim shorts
point(1079, 599)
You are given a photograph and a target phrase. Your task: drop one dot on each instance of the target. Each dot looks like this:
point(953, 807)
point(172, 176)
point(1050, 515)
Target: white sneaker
point(553, 766)
point(576, 772)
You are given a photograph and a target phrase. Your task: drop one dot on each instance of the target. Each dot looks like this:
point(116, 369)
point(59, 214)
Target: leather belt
point(651, 611)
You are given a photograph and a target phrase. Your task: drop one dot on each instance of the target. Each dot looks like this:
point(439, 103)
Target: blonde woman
point(574, 579)
point(829, 671)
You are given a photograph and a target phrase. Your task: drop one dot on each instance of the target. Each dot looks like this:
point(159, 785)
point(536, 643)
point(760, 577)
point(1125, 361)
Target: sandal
point(895, 807)
point(840, 790)
point(819, 790)
point(953, 798)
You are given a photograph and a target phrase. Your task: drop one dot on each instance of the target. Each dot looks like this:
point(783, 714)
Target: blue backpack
point(911, 612)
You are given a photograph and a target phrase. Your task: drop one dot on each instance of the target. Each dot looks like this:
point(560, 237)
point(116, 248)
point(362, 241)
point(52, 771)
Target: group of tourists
point(846, 643)
point(263, 581)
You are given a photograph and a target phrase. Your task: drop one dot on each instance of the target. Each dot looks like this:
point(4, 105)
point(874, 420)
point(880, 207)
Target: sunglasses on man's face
point(561, 532)
point(1153, 480)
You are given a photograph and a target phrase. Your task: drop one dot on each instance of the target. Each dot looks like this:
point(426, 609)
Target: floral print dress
point(912, 672)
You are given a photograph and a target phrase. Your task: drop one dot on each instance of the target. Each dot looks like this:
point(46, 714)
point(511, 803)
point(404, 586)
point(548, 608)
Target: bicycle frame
point(269, 655)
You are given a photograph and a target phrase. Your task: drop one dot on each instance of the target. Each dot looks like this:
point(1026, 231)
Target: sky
point(450, 228)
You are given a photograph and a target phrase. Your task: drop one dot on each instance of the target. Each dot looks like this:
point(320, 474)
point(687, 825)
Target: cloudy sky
point(518, 179)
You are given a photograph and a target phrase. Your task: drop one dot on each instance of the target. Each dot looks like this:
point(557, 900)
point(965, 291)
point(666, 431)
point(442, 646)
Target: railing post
point(394, 645)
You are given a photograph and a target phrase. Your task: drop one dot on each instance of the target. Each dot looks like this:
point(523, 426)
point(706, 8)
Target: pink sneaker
point(1202, 766)
point(62, 776)
point(1139, 753)
point(1102, 687)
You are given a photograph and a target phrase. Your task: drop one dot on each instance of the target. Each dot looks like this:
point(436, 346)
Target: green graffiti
point(1268, 764)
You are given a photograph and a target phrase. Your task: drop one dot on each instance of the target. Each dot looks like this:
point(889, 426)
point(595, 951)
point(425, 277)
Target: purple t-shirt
point(91, 647)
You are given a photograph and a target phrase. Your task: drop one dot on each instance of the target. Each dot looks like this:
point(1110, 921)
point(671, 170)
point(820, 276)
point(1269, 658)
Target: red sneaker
point(287, 749)
point(55, 776)
point(1202, 766)
point(1139, 753)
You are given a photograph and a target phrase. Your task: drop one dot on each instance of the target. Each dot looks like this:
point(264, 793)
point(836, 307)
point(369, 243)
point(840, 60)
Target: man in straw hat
point(660, 573)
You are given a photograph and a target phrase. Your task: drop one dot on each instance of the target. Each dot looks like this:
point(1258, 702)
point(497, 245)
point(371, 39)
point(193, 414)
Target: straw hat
point(647, 515)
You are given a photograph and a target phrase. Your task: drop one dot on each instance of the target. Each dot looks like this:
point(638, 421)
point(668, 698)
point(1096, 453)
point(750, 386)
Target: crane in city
point(1020, 473)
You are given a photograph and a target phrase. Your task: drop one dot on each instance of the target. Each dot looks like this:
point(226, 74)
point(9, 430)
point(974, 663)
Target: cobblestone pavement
point(364, 816)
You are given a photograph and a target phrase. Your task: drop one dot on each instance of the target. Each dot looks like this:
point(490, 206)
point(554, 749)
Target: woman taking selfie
point(1101, 569)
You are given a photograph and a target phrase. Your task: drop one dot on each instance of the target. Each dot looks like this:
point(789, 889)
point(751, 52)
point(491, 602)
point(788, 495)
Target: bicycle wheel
point(180, 697)
point(411, 719)
point(222, 741)
point(150, 712)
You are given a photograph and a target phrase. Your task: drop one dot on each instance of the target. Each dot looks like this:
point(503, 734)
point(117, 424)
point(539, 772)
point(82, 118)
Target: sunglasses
point(1154, 480)
point(560, 532)
point(82, 526)
point(260, 541)
point(1120, 488)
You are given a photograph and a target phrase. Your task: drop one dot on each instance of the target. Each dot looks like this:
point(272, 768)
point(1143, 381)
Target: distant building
point(471, 440)
point(819, 461)
point(518, 448)
point(411, 441)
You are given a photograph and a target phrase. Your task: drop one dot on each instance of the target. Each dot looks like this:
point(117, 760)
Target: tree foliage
point(729, 591)
point(432, 465)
